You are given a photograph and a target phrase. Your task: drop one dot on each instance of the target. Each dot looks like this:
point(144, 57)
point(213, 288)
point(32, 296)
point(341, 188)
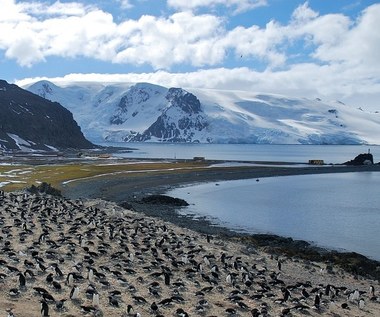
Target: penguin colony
point(71, 258)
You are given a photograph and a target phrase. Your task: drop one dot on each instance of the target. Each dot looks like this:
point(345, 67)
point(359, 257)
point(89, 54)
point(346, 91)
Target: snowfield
point(145, 112)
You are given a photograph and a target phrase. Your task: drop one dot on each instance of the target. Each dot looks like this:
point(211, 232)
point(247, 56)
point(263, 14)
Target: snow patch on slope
point(147, 112)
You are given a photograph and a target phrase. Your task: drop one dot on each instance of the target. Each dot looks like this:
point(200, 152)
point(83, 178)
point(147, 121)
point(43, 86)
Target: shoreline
point(124, 264)
point(128, 192)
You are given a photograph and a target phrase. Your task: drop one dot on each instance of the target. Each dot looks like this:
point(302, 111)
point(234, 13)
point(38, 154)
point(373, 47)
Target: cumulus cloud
point(303, 80)
point(126, 4)
point(342, 52)
point(74, 30)
point(237, 5)
point(57, 8)
point(164, 42)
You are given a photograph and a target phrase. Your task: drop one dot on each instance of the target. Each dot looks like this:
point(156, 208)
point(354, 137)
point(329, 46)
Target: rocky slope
point(29, 122)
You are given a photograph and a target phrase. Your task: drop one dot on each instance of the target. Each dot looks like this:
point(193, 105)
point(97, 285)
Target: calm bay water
point(249, 152)
point(337, 211)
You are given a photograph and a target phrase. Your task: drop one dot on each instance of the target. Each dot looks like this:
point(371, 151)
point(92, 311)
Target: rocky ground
point(130, 192)
point(60, 252)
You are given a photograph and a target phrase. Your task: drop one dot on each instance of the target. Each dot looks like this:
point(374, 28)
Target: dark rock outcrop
point(361, 159)
point(30, 122)
point(164, 200)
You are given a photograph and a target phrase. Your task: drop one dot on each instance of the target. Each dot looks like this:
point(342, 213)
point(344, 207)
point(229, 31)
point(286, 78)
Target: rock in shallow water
point(164, 200)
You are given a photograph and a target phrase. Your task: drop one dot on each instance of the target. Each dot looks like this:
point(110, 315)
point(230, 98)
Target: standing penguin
point(372, 291)
point(279, 265)
point(317, 302)
point(21, 279)
point(74, 292)
point(70, 279)
point(90, 274)
point(167, 278)
point(44, 309)
point(95, 299)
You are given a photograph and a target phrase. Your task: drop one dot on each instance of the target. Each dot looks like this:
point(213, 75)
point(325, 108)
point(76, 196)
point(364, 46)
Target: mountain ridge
point(144, 112)
point(29, 122)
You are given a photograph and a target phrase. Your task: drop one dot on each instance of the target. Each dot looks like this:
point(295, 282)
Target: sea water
point(337, 211)
point(248, 152)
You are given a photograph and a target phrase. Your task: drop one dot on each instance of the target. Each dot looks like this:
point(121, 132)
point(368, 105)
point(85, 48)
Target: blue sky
point(315, 48)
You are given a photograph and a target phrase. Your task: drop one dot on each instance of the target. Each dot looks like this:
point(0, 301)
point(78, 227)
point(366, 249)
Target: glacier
point(145, 112)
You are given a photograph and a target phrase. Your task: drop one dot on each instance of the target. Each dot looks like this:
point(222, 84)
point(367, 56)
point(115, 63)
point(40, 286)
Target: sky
point(328, 49)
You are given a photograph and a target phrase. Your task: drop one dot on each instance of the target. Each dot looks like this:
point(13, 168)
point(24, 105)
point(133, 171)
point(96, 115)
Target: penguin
point(49, 279)
point(14, 292)
point(58, 271)
point(129, 309)
point(21, 279)
point(29, 274)
point(206, 260)
point(90, 274)
point(305, 294)
point(317, 301)
point(230, 311)
point(10, 313)
point(167, 278)
point(59, 305)
point(44, 309)
point(154, 307)
point(286, 294)
point(229, 278)
point(90, 291)
point(56, 286)
point(41, 266)
point(87, 309)
point(70, 279)
point(181, 313)
point(113, 301)
point(372, 291)
point(361, 303)
point(95, 299)
point(74, 292)
point(354, 296)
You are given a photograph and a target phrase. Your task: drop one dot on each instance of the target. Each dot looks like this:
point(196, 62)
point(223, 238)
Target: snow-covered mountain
point(145, 112)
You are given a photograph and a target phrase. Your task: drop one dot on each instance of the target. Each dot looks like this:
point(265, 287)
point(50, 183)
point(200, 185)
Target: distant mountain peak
point(134, 112)
point(188, 102)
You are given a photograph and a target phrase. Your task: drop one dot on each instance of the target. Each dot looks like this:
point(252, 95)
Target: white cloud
point(304, 13)
point(11, 12)
point(57, 8)
point(258, 43)
point(358, 45)
point(238, 5)
point(344, 52)
point(303, 80)
point(164, 42)
point(74, 30)
point(126, 4)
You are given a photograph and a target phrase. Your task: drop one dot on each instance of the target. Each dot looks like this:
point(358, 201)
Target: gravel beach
point(92, 257)
point(128, 191)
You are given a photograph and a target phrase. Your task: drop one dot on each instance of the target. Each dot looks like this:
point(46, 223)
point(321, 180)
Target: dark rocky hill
point(30, 122)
